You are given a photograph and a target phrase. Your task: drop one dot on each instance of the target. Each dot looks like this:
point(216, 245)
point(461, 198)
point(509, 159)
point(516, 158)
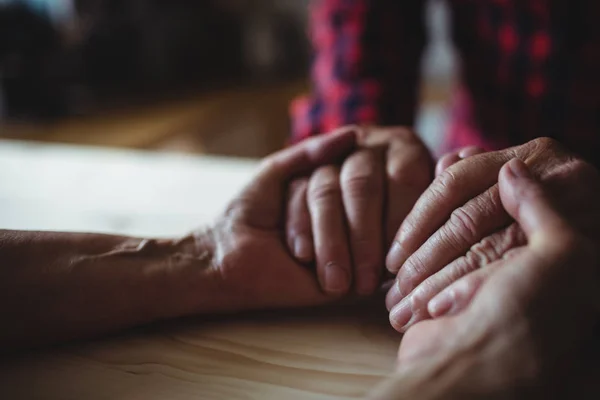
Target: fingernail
point(303, 248)
point(401, 315)
point(366, 281)
point(440, 305)
point(396, 257)
point(393, 296)
point(336, 279)
point(519, 169)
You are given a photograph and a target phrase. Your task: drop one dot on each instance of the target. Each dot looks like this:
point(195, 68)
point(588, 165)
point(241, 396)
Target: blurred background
point(193, 76)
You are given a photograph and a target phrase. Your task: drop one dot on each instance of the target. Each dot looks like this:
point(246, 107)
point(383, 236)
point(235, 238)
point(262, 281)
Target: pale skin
point(343, 218)
point(575, 187)
point(459, 225)
point(523, 327)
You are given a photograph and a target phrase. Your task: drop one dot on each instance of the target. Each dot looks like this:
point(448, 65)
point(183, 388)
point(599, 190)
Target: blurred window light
point(59, 11)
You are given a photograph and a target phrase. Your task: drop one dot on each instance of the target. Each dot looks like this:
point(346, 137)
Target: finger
point(467, 226)
point(453, 157)
point(375, 136)
point(310, 154)
point(445, 162)
point(329, 231)
point(363, 191)
point(489, 250)
point(484, 252)
point(453, 188)
point(409, 171)
point(527, 202)
point(261, 202)
point(469, 151)
point(298, 227)
point(456, 297)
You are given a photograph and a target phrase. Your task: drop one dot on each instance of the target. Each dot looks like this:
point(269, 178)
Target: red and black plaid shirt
point(529, 68)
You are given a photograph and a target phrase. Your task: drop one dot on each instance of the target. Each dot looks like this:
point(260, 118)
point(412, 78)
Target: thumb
point(525, 199)
point(263, 198)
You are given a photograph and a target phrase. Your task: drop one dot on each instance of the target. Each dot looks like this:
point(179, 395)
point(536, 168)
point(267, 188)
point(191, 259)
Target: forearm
point(60, 286)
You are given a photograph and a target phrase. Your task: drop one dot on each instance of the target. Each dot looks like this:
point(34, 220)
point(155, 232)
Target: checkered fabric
point(529, 68)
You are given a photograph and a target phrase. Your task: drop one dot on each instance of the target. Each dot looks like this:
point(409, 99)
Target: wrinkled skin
point(459, 224)
point(255, 268)
point(344, 217)
point(522, 327)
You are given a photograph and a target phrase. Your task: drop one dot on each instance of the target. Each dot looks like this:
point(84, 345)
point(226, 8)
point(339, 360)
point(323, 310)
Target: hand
point(240, 263)
point(255, 268)
point(523, 326)
point(459, 224)
point(344, 217)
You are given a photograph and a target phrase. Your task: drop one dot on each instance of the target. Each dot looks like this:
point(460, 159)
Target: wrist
point(190, 278)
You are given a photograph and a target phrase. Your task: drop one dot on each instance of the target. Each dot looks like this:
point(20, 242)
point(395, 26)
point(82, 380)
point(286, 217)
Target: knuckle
point(413, 171)
point(445, 184)
point(512, 237)
point(470, 262)
point(489, 201)
point(485, 252)
point(537, 149)
point(412, 273)
point(361, 186)
point(410, 176)
point(324, 185)
point(403, 133)
point(324, 193)
point(546, 143)
point(463, 224)
point(494, 247)
point(420, 297)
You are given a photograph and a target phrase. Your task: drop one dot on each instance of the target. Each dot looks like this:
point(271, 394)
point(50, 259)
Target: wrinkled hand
point(344, 218)
point(256, 270)
point(459, 224)
point(523, 326)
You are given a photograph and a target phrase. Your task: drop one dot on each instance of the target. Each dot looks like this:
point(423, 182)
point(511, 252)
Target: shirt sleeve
point(366, 65)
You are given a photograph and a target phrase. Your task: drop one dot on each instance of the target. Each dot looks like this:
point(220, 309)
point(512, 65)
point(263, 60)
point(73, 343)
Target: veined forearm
point(61, 286)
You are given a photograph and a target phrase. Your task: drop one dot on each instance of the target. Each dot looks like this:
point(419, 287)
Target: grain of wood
point(336, 352)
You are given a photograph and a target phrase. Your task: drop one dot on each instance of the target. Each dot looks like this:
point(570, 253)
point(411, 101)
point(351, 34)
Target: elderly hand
point(255, 268)
point(459, 224)
point(344, 218)
point(523, 326)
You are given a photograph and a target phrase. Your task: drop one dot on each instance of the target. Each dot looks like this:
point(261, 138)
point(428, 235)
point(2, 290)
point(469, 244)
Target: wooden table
point(328, 353)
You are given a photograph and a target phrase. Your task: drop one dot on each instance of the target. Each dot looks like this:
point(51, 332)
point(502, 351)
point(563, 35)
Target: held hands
point(255, 269)
point(342, 217)
point(522, 326)
point(347, 194)
point(459, 224)
point(499, 323)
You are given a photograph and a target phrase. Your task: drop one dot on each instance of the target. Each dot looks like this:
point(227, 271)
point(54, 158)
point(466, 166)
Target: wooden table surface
point(328, 353)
